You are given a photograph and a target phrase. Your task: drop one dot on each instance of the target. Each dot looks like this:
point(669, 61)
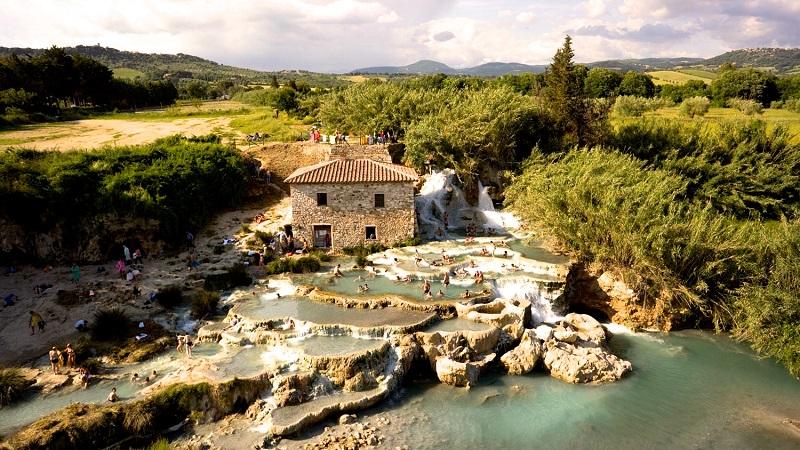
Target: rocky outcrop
point(524, 357)
point(342, 368)
point(499, 312)
point(603, 293)
point(576, 364)
point(456, 373)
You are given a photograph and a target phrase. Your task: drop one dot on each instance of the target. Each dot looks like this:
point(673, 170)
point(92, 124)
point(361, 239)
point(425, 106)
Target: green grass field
point(773, 117)
point(661, 77)
point(127, 74)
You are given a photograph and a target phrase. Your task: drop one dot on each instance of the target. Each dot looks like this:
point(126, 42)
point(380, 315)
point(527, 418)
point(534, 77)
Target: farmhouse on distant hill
point(355, 197)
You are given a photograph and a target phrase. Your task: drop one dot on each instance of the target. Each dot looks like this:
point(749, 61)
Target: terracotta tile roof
point(352, 171)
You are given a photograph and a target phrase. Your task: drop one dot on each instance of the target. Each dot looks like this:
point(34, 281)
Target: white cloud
point(340, 35)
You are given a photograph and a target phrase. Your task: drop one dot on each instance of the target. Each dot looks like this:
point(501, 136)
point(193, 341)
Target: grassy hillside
point(158, 66)
point(661, 77)
point(777, 59)
point(128, 73)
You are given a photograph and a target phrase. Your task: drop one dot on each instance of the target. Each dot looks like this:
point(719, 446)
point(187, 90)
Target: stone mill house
point(356, 197)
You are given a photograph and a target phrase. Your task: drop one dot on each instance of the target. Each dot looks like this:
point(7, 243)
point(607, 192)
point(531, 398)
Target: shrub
point(110, 325)
point(364, 250)
point(793, 105)
point(204, 304)
point(695, 106)
point(631, 106)
point(138, 418)
point(12, 385)
point(304, 264)
point(776, 104)
point(361, 261)
point(170, 296)
point(234, 277)
point(747, 107)
point(264, 237)
point(160, 444)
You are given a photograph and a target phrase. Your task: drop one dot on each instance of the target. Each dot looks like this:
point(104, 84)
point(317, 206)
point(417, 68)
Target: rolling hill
point(426, 66)
point(129, 65)
point(778, 59)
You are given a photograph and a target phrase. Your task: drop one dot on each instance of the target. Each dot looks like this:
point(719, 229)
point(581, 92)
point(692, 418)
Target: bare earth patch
point(93, 133)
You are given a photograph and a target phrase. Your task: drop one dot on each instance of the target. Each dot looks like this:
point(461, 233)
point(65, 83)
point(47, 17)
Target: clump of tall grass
point(12, 385)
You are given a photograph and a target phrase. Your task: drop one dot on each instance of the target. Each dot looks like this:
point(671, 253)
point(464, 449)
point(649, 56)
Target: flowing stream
point(689, 389)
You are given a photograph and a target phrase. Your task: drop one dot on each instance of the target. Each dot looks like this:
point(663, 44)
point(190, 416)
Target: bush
point(747, 107)
point(12, 385)
point(304, 264)
point(170, 297)
point(204, 304)
point(234, 277)
point(264, 237)
point(364, 250)
point(174, 182)
point(110, 325)
point(160, 444)
point(138, 418)
point(793, 105)
point(361, 261)
point(631, 106)
point(695, 106)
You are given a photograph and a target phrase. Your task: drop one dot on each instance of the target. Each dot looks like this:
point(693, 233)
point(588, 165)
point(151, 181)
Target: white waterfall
point(439, 197)
point(538, 293)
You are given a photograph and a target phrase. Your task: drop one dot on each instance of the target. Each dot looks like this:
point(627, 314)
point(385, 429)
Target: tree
point(695, 106)
point(602, 83)
point(750, 84)
point(285, 99)
point(677, 93)
point(274, 82)
point(637, 84)
point(580, 119)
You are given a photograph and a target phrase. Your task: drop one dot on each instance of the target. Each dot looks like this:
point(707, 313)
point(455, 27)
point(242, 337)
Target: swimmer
point(466, 294)
point(440, 294)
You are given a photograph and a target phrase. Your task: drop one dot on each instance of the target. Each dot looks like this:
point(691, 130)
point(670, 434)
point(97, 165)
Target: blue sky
point(341, 35)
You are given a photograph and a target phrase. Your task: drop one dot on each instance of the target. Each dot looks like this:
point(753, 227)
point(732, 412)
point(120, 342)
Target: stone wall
point(378, 153)
point(351, 209)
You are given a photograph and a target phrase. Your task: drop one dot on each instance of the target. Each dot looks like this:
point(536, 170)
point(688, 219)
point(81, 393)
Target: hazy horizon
point(342, 35)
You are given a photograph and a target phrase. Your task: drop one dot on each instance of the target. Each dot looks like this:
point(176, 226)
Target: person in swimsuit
point(54, 357)
point(36, 322)
point(112, 396)
point(70, 352)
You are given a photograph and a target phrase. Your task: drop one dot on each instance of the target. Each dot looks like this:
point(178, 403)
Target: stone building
point(346, 201)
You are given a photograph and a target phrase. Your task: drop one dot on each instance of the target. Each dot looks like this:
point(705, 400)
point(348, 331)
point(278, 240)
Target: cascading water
point(441, 199)
point(541, 295)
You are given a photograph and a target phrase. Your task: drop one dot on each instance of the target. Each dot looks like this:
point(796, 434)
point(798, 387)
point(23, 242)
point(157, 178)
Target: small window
point(379, 200)
point(371, 234)
point(322, 199)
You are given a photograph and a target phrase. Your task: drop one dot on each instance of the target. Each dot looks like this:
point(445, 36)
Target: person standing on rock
point(126, 252)
point(54, 355)
point(446, 279)
point(70, 352)
point(75, 273)
point(36, 322)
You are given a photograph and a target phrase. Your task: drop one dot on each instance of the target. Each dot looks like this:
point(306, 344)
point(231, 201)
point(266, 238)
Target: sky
point(341, 35)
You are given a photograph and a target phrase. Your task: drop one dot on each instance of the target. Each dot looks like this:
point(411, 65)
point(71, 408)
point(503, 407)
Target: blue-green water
point(688, 390)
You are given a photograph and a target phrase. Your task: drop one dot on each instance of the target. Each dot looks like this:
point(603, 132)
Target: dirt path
point(92, 133)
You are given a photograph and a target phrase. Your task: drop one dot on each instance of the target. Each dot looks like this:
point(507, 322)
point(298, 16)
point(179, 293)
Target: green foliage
point(637, 84)
point(12, 385)
point(170, 296)
point(110, 325)
point(747, 107)
point(138, 418)
point(492, 126)
point(174, 181)
point(602, 83)
point(608, 207)
point(749, 84)
point(160, 444)
point(303, 264)
point(204, 304)
point(792, 104)
point(678, 93)
point(767, 311)
point(740, 168)
point(233, 277)
point(361, 261)
point(630, 106)
point(695, 106)
point(364, 250)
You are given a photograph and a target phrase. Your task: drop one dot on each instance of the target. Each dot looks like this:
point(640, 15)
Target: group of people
point(136, 379)
point(185, 345)
point(60, 359)
point(381, 138)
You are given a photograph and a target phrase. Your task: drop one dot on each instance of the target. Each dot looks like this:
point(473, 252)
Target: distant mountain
point(781, 60)
point(157, 66)
point(778, 59)
point(427, 66)
point(645, 64)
